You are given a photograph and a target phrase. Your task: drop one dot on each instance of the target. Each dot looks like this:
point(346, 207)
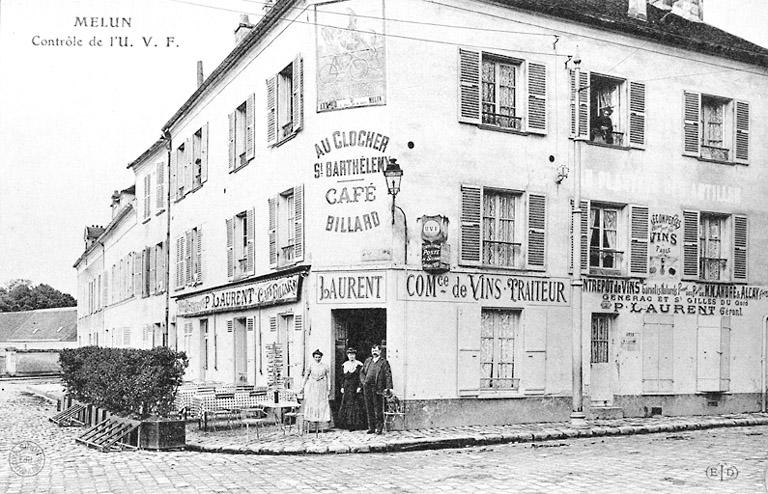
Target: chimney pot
point(200, 77)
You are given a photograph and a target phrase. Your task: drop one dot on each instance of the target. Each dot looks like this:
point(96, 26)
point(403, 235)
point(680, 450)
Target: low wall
point(30, 362)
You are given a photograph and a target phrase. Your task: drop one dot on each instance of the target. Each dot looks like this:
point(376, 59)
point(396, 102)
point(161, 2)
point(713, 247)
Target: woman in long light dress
point(316, 388)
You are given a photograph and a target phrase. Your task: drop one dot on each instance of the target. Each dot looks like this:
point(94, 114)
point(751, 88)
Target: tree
point(18, 295)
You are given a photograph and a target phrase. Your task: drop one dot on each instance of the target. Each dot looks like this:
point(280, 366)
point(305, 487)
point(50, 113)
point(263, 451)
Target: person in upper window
point(602, 126)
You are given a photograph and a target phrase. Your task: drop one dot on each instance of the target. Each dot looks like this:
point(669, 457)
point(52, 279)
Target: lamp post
point(394, 174)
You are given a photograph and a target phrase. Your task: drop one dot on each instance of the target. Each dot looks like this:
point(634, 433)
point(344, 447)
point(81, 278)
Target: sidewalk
point(274, 442)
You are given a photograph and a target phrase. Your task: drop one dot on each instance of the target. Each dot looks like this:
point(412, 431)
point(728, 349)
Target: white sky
point(72, 118)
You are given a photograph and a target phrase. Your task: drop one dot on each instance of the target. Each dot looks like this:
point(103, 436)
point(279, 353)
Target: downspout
point(103, 279)
point(167, 274)
point(763, 365)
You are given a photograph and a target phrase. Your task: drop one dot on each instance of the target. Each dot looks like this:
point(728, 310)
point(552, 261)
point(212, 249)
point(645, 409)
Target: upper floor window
point(189, 259)
point(715, 128)
point(189, 164)
point(714, 246)
point(603, 238)
point(286, 227)
point(502, 228)
point(502, 92)
point(240, 244)
point(241, 134)
point(608, 110)
point(285, 102)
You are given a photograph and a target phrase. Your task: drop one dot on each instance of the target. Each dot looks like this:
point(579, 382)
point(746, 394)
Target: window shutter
point(580, 105)
point(691, 244)
point(230, 325)
point(537, 214)
point(152, 270)
point(104, 290)
point(740, 240)
point(137, 274)
point(146, 271)
point(298, 223)
point(471, 211)
point(584, 237)
point(198, 275)
point(232, 148)
point(250, 115)
point(639, 241)
point(725, 353)
point(204, 154)
point(249, 259)
point(272, 231)
point(742, 132)
point(161, 268)
point(249, 324)
point(188, 168)
point(180, 262)
point(468, 349)
point(230, 247)
point(537, 98)
point(188, 258)
point(298, 93)
point(174, 169)
point(147, 194)
point(691, 130)
point(273, 323)
point(469, 86)
point(298, 322)
point(271, 110)
point(160, 188)
point(636, 114)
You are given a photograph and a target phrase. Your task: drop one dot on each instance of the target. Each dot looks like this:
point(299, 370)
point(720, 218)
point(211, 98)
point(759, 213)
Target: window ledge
point(614, 273)
point(240, 167)
point(160, 211)
point(495, 395)
point(502, 268)
point(502, 129)
point(146, 220)
point(611, 146)
point(712, 160)
point(285, 139)
point(717, 282)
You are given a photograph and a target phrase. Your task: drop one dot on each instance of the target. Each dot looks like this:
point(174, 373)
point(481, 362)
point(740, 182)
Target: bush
point(125, 381)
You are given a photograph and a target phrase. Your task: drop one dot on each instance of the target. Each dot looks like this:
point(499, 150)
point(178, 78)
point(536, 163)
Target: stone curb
point(490, 438)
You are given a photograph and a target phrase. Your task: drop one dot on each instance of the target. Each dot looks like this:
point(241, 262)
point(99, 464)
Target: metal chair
point(393, 409)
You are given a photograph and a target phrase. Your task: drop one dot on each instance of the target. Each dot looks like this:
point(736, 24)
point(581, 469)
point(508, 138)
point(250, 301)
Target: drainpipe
point(167, 274)
point(763, 365)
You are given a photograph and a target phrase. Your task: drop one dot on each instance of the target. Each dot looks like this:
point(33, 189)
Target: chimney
point(243, 28)
point(200, 77)
point(638, 10)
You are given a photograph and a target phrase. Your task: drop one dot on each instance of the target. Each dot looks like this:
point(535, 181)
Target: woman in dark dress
point(352, 411)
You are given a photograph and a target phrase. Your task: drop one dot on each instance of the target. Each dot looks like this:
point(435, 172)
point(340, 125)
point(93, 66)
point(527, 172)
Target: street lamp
point(394, 174)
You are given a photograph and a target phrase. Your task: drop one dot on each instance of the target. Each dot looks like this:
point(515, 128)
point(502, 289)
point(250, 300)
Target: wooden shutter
point(534, 365)
point(691, 126)
point(639, 241)
point(580, 105)
point(188, 166)
point(272, 110)
point(468, 351)
point(145, 271)
point(188, 258)
point(160, 188)
point(152, 270)
point(250, 251)
point(147, 194)
point(250, 116)
point(469, 86)
point(537, 214)
point(741, 139)
point(174, 171)
point(584, 245)
point(249, 323)
point(137, 274)
point(471, 221)
point(725, 353)
point(272, 202)
point(204, 154)
point(740, 240)
point(230, 325)
point(273, 323)
point(198, 275)
point(691, 244)
point(180, 262)
point(537, 98)
point(298, 223)
point(298, 322)
point(298, 93)
point(161, 267)
point(230, 247)
point(636, 114)
point(232, 147)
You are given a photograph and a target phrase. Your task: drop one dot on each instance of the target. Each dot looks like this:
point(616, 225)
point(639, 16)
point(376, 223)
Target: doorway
point(358, 328)
point(601, 360)
point(241, 351)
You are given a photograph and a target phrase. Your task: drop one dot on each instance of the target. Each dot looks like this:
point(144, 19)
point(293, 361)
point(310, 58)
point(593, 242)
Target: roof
point(146, 154)
point(673, 30)
point(111, 226)
point(41, 325)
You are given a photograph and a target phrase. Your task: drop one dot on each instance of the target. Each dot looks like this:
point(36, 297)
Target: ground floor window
point(498, 331)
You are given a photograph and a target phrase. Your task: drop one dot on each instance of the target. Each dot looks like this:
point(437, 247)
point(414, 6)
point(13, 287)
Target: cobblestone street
point(663, 462)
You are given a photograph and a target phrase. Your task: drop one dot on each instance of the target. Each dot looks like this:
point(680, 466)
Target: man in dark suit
point(376, 378)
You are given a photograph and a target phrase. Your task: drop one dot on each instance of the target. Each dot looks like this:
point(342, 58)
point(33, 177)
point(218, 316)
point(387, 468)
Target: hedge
point(125, 381)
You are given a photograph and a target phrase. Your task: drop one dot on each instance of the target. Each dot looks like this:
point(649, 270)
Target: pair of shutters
point(189, 256)
point(274, 204)
point(691, 254)
point(183, 164)
point(658, 354)
point(580, 109)
point(296, 102)
point(639, 241)
point(233, 269)
point(298, 323)
point(692, 131)
point(470, 91)
point(471, 247)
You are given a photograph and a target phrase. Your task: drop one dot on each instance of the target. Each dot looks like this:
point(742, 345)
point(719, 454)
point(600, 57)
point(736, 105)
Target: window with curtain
point(498, 330)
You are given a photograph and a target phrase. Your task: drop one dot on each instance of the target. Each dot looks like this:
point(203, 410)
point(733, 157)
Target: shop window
point(601, 324)
point(714, 246)
point(715, 128)
point(500, 92)
point(240, 244)
point(285, 102)
point(498, 332)
point(493, 229)
point(286, 227)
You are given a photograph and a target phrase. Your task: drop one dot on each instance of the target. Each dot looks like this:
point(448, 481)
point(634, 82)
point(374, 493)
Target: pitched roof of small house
point(39, 325)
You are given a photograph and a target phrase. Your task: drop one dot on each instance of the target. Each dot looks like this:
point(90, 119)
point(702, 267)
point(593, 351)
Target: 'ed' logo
point(722, 472)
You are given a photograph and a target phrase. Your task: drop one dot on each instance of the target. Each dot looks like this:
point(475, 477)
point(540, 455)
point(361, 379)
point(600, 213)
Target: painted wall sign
point(351, 288)
point(485, 287)
point(259, 294)
point(684, 298)
point(351, 61)
point(665, 249)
